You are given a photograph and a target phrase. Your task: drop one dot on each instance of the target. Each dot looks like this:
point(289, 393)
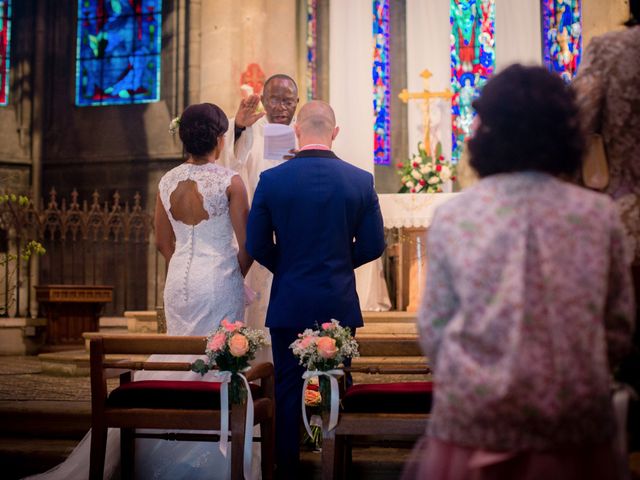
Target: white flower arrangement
point(425, 174)
point(174, 126)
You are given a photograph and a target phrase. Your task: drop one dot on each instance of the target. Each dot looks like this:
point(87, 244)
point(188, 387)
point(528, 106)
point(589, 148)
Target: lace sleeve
point(164, 189)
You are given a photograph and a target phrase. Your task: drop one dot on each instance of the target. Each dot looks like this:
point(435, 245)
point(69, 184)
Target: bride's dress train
point(203, 286)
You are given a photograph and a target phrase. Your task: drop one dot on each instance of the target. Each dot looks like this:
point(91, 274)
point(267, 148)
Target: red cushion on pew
point(191, 395)
point(400, 397)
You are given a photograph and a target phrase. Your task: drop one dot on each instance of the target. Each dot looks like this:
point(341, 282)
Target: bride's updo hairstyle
point(200, 127)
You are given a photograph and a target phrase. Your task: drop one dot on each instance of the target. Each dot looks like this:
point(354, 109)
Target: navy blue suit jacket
point(326, 219)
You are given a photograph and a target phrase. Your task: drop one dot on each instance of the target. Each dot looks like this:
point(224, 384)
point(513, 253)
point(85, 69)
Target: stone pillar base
point(21, 336)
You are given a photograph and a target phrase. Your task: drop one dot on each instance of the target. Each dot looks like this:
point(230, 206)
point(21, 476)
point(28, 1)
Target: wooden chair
point(169, 405)
point(376, 409)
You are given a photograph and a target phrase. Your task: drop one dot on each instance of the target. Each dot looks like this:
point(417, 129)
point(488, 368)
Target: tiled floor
point(21, 378)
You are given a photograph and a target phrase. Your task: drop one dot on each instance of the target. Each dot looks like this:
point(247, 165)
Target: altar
point(407, 217)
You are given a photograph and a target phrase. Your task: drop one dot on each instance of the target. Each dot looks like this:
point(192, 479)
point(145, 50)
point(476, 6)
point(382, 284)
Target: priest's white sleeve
point(236, 153)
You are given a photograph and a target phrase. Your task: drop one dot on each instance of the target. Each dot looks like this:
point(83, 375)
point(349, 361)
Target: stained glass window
point(312, 22)
point(562, 36)
point(381, 83)
point(5, 48)
point(472, 61)
point(118, 52)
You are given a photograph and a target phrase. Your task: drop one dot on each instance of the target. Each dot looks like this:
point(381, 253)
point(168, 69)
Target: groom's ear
point(335, 132)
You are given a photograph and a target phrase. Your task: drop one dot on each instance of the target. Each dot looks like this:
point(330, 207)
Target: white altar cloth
point(410, 209)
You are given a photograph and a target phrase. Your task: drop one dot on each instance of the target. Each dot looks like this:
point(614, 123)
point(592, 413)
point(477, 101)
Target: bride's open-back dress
point(203, 286)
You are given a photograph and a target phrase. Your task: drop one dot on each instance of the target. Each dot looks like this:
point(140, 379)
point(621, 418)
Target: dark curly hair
point(200, 127)
point(528, 121)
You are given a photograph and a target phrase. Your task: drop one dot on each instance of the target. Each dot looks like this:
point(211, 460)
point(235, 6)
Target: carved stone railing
point(97, 243)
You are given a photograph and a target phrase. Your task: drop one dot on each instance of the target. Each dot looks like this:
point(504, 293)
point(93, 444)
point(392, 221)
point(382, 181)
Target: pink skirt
point(433, 459)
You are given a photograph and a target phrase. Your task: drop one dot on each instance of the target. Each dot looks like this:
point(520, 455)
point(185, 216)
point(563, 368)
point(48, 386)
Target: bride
point(200, 207)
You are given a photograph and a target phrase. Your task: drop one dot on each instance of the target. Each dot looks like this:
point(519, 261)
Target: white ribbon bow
point(335, 397)
point(225, 380)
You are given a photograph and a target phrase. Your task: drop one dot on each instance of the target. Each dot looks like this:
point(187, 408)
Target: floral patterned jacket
point(608, 88)
point(528, 301)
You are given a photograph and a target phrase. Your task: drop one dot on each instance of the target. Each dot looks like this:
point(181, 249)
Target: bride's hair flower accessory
point(174, 125)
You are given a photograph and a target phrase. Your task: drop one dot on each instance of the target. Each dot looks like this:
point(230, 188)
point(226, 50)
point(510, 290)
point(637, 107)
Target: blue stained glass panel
point(381, 84)
point(119, 44)
point(5, 49)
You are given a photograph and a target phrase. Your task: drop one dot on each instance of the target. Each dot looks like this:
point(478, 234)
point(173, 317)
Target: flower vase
point(324, 386)
point(237, 390)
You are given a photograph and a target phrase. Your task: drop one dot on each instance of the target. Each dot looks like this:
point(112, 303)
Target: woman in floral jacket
point(528, 302)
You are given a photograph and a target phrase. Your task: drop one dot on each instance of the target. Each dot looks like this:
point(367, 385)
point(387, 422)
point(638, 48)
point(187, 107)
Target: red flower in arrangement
point(415, 164)
point(441, 158)
point(438, 168)
point(422, 182)
point(400, 165)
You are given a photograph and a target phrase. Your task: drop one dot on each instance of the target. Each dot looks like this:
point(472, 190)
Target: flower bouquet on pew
point(230, 348)
point(322, 351)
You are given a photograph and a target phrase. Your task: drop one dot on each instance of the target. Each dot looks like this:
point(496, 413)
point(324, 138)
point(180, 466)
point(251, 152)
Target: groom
point(326, 219)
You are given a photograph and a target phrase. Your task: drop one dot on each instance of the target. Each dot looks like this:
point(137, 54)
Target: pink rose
point(231, 327)
point(327, 326)
point(327, 347)
point(238, 345)
point(304, 342)
point(217, 342)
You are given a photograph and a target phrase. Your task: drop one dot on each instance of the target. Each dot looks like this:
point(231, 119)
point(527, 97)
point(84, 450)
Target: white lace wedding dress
point(203, 286)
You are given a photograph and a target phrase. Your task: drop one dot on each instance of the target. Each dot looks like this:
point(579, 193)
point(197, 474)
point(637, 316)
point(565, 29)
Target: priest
point(245, 154)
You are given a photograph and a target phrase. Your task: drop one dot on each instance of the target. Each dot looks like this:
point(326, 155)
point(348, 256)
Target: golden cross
point(427, 96)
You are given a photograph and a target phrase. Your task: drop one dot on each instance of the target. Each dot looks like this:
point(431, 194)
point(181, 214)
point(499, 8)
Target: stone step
point(74, 363)
point(389, 317)
point(395, 328)
point(20, 457)
point(390, 362)
point(45, 419)
point(369, 463)
point(389, 346)
point(110, 324)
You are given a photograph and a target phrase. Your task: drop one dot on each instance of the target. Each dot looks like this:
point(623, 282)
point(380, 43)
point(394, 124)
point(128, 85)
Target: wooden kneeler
point(170, 405)
point(364, 412)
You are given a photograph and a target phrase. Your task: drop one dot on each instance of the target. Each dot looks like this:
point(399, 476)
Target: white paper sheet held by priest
point(279, 140)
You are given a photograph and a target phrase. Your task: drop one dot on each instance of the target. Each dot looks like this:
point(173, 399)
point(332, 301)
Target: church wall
point(16, 118)
point(235, 34)
point(600, 16)
point(106, 148)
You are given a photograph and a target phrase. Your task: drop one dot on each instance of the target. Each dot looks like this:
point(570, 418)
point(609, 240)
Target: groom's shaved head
point(316, 118)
